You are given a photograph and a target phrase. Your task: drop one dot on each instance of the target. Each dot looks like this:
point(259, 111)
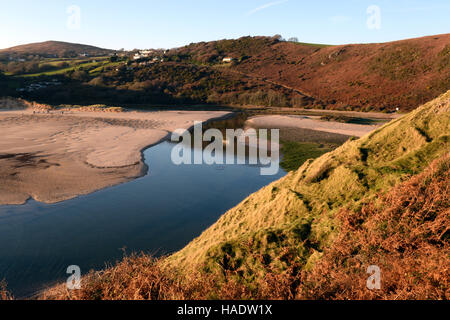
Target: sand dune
point(56, 157)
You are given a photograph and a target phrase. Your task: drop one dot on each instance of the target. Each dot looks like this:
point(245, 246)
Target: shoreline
point(312, 123)
point(43, 165)
point(167, 138)
point(97, 146)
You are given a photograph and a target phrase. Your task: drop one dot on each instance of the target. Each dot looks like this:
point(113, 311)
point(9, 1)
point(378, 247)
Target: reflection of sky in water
point(158, 213)
point(244, 149)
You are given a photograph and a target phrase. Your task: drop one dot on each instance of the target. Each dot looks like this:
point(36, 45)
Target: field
point(93, 67)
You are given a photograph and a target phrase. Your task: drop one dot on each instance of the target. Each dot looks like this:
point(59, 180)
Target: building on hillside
point(146, 53)
point(143, 54)
point(227, 59)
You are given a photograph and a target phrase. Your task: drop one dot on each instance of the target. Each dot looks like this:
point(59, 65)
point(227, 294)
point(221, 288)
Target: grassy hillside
point(296, 215)
point(404, 232)
point(69, 67)
point(382, 199)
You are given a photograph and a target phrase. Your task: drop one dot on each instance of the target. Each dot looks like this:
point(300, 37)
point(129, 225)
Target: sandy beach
point(55, 157)
point(311, 123)
point(52, 156)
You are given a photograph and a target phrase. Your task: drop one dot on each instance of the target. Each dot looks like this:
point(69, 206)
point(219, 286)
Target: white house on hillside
point(143, 54)
point(227, 59)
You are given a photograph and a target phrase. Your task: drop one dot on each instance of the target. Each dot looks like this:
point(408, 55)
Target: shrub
point(405, 233)
point(4, 293)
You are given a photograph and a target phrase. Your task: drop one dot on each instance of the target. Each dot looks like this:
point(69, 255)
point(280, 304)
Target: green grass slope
point(293, 220)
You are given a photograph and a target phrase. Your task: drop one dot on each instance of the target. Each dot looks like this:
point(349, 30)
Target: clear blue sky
point(172, 23)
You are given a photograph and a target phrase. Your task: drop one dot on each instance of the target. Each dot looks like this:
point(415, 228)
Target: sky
point(174, 23)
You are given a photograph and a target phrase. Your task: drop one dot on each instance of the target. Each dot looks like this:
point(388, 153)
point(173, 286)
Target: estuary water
point(157, 214)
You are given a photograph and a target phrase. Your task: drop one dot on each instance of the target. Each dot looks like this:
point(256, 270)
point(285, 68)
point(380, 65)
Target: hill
point(381, 76)
point(380, 200)
point(296, 214)
point(55, 49)
point(264, 71)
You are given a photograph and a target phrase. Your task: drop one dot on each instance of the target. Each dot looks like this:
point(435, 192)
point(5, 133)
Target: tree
point(98, 81)
point(278, 37)
point(68, 54)
point(293, 39)
point(80, 75)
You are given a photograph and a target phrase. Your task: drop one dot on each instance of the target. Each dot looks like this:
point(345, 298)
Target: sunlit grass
point(297, 153)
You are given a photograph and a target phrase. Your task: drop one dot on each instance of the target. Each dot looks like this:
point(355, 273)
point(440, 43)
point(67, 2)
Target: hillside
point(54, 49)
point(351, 208)
point(405, 232)
point(265, 71)
point(380, 76)
point(297, 213)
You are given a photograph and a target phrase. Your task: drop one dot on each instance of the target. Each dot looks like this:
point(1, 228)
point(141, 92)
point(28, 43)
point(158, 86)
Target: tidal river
point(158, 214)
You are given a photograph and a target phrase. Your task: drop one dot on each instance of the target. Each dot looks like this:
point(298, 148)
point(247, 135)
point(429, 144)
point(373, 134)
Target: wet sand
point(56, 157)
